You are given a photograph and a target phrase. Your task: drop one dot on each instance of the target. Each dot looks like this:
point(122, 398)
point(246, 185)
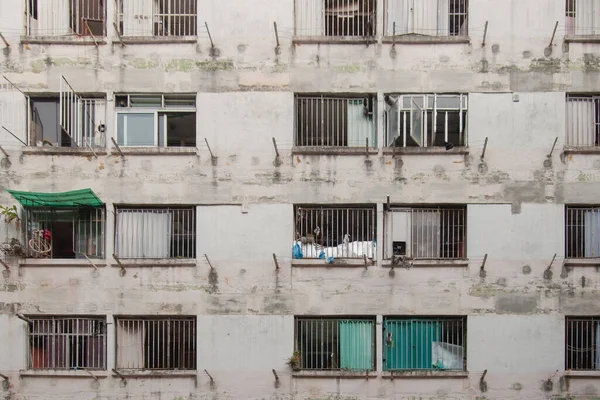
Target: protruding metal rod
point(365, 259)
point(276, 33)
point(24, 318)
point(90, 261)
point(13, 85)
point(5, 265)
point(275, 145)
point(275, 260)
point(209, 150)
point(211, 378)
point(209, 36)
point(4, 40)
point(275, 373)
point(119, 36)
point(552, 262)
point(117, 147)
point(15, 136)
point(483, 375)
point(367, 146)
point(119, 262)
point(484, 261)
point(484, 148)
point(4, 151)
point(394, 34)
point(117, 373)
point(90, 32)
point(208, 261)
point(4, 377)
point(388, 203)
point(553, 33)
point(92, 150)
point(484, 34)
point(89, 372)
point(553, 145)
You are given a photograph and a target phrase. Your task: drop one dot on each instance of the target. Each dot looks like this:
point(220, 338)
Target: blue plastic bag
point(297, 251)
point(322, 255)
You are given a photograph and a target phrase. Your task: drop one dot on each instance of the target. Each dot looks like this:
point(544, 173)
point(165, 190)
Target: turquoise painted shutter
point(411, 344)
point(356, 345)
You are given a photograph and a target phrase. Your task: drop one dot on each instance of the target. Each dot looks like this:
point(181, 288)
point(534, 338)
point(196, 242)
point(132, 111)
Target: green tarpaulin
point(75, 198)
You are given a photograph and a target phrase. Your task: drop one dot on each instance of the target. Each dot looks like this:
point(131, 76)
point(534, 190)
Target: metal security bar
point(67, 343)
point(582, 345)
point(338, 232)
point(424, 344)
point(65, 233)
point(336, 121)
point(65, 17)
point(426, 17)
point(581, 17)
point(425, 233)
point(156, 343)
point(155, 232)
point(582, 232)
point(335, 343)
point(583, 121)
point(157, 17)
point(340, 18)
point(426, 120)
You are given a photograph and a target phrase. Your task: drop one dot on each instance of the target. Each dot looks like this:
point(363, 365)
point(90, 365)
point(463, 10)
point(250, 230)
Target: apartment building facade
point(299, 199)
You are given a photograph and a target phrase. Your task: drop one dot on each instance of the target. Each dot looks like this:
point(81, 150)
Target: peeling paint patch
point(516, 304)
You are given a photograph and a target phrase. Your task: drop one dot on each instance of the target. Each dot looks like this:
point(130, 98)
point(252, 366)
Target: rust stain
point(388, 162)
point(298, 160)
point(101, 167)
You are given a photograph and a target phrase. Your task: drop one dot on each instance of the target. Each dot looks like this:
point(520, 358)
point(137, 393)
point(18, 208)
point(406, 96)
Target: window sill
point(339, 262)
point(157, 39)
point(424, 150)
point(65, 374)
point(167, 151)
point(70, 40)
point(334, 40)
point(424, 39)
point(132, 373)
point(582, 38)
point(334, 374)
point(582, 262)
point(60, 262)
point(335, 151)
point(424, 374)
point(429, 263)
point(581, 150)
point(63, 151)
point(583, 374)
point(146, 262)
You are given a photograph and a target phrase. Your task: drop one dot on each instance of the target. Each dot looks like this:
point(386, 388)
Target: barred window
point(583, 121)
point(427, 17)
point(162, 18)
point(339, 18)
point(582, 232)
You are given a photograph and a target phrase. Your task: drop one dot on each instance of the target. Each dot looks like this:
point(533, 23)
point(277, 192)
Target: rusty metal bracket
point(275, 374)
point(278, 48)
point(123, 270)
point(117, 147)
point(212, 156)
point(4, 264)
point(90, 32)
point(482, 382)
point(117, 373)
point(482, 272)
point(484, 148)
point(4, 40)
point(119, 36)
point(551, 262)
point(212, 45)
point(484, 34)
point(553, 146)
point(208, 261)
point(24, 318)
point(275, 260)
point(212, 381)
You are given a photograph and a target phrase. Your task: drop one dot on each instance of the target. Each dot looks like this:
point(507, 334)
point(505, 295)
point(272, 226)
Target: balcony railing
point(68, 17)
point(582, 344)
point(427, 17)
point(335, 18)
point(159, 18)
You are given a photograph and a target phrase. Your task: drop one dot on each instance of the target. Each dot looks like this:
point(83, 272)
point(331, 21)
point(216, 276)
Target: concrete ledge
point(582, 38)
point(339, 262)
point(60, 262)
point(334, 374)
point(425, 151)
point(63, 151)
point(424, 374)
point(132, 373)
point(424, 39)
point(146, 262)
point(156, 40)
point(68, 40)
point(153, 151)
point(64, 374)
point(333, 40)
point(582, 262)
point(429, 263)
point(581, 150)
point(334, 151)
point(583, 374)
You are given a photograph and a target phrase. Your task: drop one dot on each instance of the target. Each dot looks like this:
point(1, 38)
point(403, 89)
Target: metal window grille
point(338, 232)
point(583, 121)
point(425, 120)
point(157, 17)
point(426, 17)
point(336, 343)
point(156, 343)
point(67, 343)
point(155, 232)
point(582, 344)
point(582, 232)
point(70, 17)
point(424, 344)
point(65, 233)
point(581, 17)
point(425, 233)
point(335, 121)
point(340, 18)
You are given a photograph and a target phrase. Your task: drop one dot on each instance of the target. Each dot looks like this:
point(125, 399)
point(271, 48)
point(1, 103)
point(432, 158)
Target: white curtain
point(360, 126)
point(592, 233)
point(443, 18)
point(143, 234)
point(423, 17)
point(13, 107)
point(53, 18)
point(137, 17)
point(587, 17)
point(426, 233)
point(310, 18)
point(130, 344)
point(581, 121)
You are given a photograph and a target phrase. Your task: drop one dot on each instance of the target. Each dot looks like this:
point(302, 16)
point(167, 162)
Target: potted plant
point(12, 247)
point(294, 361)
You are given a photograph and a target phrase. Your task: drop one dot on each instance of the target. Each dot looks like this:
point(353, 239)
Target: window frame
point(318, 29)
point(388, 26)
point(595, 332)
point(574, 240)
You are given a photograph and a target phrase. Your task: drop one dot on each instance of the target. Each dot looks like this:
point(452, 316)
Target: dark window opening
point(582, 347)
point(350, 18)
point(87, 13)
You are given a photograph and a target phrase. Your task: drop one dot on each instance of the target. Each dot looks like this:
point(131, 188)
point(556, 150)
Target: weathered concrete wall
point(245, 307)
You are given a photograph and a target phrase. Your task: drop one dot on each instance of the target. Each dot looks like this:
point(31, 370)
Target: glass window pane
point(162, 120)
point(448, 102)
point(146, 101)
point(137, 129)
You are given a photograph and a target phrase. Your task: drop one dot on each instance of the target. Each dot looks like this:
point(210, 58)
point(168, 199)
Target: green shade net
point(75, 198)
